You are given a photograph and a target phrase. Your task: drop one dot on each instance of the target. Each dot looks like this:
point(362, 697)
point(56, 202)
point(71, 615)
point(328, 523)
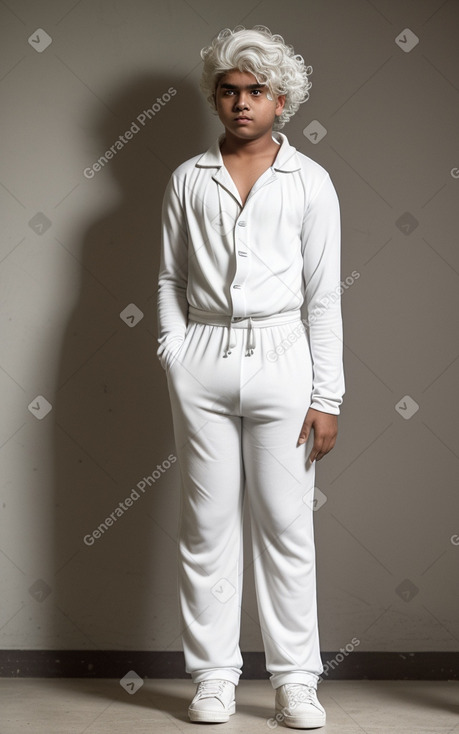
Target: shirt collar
point(286, 159)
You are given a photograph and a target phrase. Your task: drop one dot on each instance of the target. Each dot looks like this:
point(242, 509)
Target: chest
point(273, 212)
point(246, 175)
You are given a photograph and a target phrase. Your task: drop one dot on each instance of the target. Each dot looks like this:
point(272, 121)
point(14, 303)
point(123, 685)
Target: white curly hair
point(263, 54)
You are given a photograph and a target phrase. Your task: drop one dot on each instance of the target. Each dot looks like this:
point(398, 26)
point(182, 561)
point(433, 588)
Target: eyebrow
point(249, 86)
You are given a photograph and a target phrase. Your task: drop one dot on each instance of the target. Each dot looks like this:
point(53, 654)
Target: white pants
point(236, 424)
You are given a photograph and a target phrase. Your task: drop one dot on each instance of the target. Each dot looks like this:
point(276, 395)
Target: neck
point(233, 145)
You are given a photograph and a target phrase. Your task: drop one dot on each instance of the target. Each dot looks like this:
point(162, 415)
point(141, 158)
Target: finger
point(324, 445)
point(304, 433)
point(316, 450)
point(328, 444)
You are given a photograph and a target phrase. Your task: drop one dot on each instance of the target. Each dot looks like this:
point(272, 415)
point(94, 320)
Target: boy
point(252, 347)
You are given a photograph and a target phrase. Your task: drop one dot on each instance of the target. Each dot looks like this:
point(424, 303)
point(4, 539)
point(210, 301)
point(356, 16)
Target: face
point(245, 107)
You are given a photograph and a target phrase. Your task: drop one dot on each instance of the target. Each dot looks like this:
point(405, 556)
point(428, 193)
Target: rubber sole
point(303, 721)
point(212, 717)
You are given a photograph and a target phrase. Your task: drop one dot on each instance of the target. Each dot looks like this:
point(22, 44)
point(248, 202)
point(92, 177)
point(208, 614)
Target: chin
point(245, 132)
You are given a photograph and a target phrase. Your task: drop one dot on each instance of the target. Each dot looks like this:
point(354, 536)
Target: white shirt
point(278, 252)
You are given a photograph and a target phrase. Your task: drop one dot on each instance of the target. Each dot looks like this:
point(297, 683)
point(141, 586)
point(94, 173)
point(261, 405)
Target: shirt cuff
point(326, 405)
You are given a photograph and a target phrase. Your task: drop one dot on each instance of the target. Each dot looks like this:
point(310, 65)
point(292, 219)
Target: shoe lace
point(299, 693)
point(210, 688)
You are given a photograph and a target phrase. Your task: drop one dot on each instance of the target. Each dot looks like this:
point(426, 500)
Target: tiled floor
point(77, 706)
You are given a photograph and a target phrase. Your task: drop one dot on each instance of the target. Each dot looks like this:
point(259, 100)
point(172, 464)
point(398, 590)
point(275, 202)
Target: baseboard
point(116, 663)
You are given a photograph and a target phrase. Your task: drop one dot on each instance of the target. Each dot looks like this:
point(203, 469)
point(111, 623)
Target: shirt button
point(237, 286)
point(241, 224)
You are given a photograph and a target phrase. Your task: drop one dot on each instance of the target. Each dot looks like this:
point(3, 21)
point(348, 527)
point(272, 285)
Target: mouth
point(243, 119)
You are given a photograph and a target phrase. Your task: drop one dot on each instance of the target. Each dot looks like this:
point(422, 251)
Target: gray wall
point(77, 251)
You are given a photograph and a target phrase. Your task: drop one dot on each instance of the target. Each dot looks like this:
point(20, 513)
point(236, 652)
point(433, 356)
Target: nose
point(241, 101)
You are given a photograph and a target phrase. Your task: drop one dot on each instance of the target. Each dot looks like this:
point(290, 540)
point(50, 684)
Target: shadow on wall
point(115, 589)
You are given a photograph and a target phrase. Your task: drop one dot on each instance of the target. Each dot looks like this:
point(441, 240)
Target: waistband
point(243, 322)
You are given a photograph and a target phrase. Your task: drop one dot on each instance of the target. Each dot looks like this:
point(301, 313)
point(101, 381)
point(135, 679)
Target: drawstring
point(251, 323)
point(230, 342)
point(251, 339)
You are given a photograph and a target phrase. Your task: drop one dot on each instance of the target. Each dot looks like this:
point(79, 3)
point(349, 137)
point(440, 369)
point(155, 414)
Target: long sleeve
point(173, 277)
point(321, 311)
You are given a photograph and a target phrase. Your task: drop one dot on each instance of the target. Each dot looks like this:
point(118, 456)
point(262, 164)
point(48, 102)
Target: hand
point(325, 426)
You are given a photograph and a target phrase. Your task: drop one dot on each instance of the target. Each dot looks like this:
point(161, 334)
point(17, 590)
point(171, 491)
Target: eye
point(256, 92)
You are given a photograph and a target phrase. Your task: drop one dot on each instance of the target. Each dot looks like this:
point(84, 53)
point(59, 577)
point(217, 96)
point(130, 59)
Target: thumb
point(305, 430)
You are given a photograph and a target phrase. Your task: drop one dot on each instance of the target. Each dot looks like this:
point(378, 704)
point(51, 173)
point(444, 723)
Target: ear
point(280, 104)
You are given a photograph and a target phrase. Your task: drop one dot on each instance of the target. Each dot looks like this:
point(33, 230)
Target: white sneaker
point(214, 701)
point(299, 706)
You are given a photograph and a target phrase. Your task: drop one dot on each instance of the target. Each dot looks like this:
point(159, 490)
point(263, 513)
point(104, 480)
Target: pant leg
point(203, 389)
point(280, 485)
